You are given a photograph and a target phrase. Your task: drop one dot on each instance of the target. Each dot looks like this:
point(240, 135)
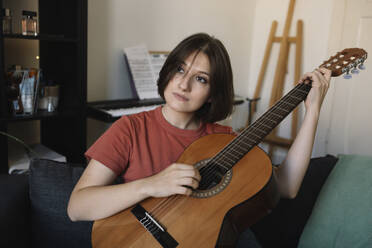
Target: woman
point(196, 84)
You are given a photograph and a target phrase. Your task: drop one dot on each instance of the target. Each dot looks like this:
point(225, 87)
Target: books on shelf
point(144, 67)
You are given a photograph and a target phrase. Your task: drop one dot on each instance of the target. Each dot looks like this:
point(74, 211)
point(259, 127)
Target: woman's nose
point(184, 83)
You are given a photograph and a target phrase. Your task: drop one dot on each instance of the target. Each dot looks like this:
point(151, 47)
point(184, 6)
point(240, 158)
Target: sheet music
point(157, 62)
point(142, 71)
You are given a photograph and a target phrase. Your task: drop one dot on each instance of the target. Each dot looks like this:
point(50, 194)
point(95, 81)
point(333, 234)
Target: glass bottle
point(28, 91)
point(7, 21)
point(29, 23)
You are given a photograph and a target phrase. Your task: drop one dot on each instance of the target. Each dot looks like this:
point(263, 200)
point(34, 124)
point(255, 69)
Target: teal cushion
point(342, 215)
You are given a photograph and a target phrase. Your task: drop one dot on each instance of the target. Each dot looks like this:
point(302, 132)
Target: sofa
point(33, 208)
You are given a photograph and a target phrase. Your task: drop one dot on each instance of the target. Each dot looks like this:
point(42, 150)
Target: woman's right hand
point(176, 179)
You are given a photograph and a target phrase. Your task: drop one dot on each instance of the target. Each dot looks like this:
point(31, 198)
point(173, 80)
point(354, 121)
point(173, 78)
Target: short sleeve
point(113, 149)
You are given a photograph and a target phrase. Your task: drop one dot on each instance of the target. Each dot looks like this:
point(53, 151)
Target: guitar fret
point(235, 151)
point(227, 157)
point(219, 161)
point(291, 104)
point(280, 116)
point(222, 161)
point(243, 143)
point(263, 124)
point(273, 121)
point(282, 109)
point(247, 144)
point(232, 154)
point(238, 149)
point(258, 129)
point(298, 98)
point(252, 133)
point(246, 137)
point(240, 154)
point(228, 167)
point(303, 91)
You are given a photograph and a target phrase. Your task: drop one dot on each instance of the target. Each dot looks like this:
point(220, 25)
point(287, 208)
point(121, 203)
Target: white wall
point(316, 15)
point(161, 24)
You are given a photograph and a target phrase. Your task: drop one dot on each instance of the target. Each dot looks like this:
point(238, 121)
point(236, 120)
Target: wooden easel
point(281, 69)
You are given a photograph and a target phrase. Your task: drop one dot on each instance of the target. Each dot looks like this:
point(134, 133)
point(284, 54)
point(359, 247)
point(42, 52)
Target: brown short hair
point(221, 79)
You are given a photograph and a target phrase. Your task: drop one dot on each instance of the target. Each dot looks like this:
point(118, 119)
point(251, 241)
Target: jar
point(7, 21)
point(29, 23)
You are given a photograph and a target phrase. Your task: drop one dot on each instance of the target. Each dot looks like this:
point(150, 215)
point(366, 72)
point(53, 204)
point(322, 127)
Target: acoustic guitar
point(237, 186)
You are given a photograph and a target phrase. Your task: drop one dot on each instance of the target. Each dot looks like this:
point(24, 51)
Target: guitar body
point(196, 222)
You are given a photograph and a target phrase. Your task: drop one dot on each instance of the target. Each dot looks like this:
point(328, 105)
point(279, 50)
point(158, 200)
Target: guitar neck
point(343, 62)
point(255, 133)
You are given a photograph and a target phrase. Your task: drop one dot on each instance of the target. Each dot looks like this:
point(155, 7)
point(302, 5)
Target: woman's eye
point(201, 79)
point(180, 69)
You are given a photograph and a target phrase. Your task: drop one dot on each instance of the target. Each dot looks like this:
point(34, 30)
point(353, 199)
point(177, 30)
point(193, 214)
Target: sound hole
point(213, 179)
point(210, 177)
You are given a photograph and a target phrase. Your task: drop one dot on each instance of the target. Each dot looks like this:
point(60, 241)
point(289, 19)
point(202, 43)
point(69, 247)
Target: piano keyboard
point(128, 111)
point(112, 110)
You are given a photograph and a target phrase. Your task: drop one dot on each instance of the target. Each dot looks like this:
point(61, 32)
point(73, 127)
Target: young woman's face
point(189, 88)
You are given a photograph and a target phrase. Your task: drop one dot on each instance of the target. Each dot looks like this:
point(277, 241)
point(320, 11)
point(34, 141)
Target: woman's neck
point(180, 120)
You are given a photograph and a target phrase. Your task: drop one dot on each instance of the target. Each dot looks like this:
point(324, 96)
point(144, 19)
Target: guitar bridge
point(152, 226)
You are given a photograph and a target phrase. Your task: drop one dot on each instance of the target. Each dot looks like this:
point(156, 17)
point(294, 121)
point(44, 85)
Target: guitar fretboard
point(255, 133)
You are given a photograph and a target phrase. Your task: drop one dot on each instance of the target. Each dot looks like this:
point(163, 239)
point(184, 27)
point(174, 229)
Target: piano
point(111, 110)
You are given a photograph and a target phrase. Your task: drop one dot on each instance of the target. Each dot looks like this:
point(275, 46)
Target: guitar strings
point(265, 119)
point(240, 139)
point(219, 160)
point(169, 200)
point(157, 210)
point(210, 169)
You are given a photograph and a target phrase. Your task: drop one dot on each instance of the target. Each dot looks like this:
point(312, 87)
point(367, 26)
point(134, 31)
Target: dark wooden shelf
point(40, 115)
point(62, 43)
point(42, 37)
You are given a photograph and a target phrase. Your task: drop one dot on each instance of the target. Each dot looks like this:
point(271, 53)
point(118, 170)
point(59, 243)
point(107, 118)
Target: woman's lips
point(180, 97)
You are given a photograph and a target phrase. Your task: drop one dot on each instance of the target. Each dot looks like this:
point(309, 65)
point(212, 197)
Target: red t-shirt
point(144, 144)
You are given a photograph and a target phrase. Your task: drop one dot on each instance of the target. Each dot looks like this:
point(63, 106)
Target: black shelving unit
point(63, 57)
point(46, 37)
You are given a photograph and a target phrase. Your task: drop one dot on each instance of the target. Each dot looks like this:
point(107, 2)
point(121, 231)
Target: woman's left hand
point(320, 79)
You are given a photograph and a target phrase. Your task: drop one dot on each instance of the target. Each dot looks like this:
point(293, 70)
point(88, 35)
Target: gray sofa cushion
point(14, 211)
point(51, 184)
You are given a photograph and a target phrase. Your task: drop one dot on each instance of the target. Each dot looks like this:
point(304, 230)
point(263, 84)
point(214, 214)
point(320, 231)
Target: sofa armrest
point(14, 211)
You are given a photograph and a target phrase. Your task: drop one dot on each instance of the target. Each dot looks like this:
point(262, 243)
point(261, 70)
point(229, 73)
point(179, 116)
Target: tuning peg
point(347, 75)
point(361, 66)
point(354, 71)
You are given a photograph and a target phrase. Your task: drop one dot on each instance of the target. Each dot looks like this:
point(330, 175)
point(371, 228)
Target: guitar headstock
point(347, 61)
